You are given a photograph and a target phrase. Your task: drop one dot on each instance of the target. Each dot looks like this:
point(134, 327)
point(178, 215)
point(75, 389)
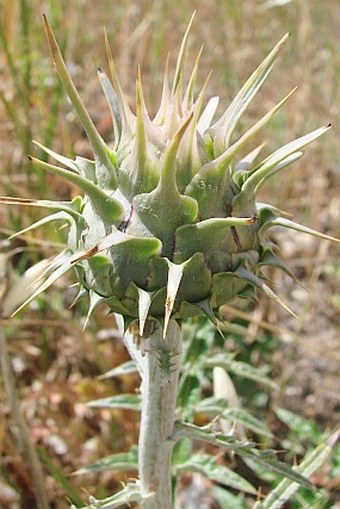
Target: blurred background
point(55, 363)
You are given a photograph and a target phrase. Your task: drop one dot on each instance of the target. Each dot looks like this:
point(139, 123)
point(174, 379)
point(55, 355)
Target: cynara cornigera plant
point(168, 228)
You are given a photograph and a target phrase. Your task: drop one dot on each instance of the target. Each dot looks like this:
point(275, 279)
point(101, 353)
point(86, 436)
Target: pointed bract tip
point(282, 41)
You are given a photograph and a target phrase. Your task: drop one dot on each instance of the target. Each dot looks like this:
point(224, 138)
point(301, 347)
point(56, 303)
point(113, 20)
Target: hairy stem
point(160, 372)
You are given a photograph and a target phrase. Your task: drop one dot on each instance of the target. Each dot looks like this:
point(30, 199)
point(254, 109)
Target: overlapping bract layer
point(168, 225)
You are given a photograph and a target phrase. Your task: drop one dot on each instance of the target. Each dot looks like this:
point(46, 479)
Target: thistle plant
point(168, 227)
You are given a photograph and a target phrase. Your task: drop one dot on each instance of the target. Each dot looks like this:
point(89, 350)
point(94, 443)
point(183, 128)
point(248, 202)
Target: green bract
point(168, 225)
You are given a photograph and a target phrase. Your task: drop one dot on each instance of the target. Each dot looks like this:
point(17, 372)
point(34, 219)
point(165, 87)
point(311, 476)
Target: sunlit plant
point(169, 228)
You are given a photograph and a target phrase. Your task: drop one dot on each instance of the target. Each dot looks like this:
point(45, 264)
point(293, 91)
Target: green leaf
point(123, 369)
point(305, 429)
point(122, 401)
point(228, 500)
point(247, 420)
point(278, 467)
point(189, 394)
point(241, 369)
point(286, 488)
point(122, 462)
point(207, 466)
point(243, 449)
point(238, 415)
point(182, 451)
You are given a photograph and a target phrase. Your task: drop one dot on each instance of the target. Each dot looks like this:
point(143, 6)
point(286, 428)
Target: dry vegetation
point(55, 363)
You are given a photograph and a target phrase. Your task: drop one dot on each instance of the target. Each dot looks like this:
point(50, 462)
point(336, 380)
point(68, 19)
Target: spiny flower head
point(168, 226)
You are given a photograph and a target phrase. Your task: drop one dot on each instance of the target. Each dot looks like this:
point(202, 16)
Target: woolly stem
point(160, 371)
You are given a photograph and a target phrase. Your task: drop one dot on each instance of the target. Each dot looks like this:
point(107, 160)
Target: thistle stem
point(160, 372)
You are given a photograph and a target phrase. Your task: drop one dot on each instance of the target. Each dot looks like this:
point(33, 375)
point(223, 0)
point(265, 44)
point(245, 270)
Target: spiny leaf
point(207, 115)
point(233, 149)
point(246, 161)
point(279, 155)
point(239, 415)
point(270, 259)
point(23, 287)
point(287, 223)
point(123, 401)
point(121, 462)
point(149, 245)
point(126, 368)
point(207, 466)
point(243, 449)
point(109, 208)
point(286, 488)
point(57, 216)
point(129, 119)
point(65, 161)
point(95, 300)
point(163, 109)
point(244, 274)
point(224, 128)
point(189, 93)
point(60, 271)
point(189, 152)
point(241, 369)
point(125, 497)
point(181, 56)
point(291, 159)
point(112, 101)
point(71, 207)
point(212, 183)
point(101, 151)
point(82, 292)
